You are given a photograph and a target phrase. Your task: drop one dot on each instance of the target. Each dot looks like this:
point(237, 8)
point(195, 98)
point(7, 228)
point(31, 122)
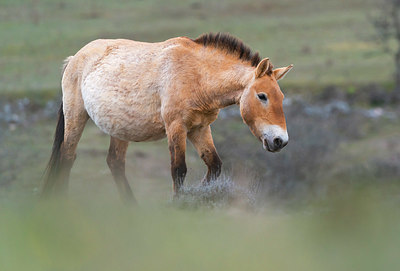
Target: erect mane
point(230, 44)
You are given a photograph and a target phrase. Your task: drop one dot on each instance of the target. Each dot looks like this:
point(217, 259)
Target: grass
point(356, 233)
point(25, 152)
point(355, 227)
point(329, 42)
point(208, 230)
point(92, 230)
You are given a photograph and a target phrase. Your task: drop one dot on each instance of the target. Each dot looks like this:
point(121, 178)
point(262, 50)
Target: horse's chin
point(269, 150)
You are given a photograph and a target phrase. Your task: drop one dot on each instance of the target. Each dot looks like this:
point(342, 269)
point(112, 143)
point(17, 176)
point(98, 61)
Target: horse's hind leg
point(116, 163)
point(75, 119)
point(71, 122)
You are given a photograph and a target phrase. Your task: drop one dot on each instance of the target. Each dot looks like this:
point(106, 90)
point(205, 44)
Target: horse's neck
point(224, 85)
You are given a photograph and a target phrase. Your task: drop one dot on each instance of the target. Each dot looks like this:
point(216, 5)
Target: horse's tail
point(53, 167)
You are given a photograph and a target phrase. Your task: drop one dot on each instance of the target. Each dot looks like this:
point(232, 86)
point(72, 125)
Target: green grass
point(355, 233)
point(92, 230)
point(25, 152)
point(330, 42)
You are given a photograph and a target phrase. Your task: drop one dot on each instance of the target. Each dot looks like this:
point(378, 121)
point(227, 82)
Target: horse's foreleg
point(203, 142)
point(177, 134)
point(116, 163)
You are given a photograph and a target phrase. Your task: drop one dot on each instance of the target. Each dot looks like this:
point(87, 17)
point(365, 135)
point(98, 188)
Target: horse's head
point(261, 106)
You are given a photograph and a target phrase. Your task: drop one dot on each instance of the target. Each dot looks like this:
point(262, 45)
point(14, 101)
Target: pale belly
point(123, 111)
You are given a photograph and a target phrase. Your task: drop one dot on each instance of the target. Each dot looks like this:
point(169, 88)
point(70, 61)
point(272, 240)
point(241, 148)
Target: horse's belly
point(127, 115)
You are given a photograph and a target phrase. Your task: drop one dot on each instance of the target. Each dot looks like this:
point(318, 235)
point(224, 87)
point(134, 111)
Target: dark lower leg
point(116, 163)
point(118, 171)
point(214, 165)
point(177, 148)
point(61, 183)
point(203, 142)
point(178, 172)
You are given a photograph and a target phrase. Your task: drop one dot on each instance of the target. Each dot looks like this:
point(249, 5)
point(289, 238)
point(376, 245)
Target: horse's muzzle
point(274, 145)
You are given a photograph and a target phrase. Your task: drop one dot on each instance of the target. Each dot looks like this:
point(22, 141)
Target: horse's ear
point(281, 72)
point(262, 67)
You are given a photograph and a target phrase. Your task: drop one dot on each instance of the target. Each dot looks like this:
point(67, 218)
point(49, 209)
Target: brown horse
point(136, 91)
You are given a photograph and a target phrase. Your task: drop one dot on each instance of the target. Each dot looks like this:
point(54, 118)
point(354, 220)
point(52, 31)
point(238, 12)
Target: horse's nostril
point(278, 142)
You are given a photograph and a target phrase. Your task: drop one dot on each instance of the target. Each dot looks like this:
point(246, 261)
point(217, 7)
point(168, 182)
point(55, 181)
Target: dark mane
point(230, 44)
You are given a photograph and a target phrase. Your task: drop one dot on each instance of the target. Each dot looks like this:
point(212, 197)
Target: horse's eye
point(262, 97)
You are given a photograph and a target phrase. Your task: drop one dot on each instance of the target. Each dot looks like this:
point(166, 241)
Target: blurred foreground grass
point(360, 232)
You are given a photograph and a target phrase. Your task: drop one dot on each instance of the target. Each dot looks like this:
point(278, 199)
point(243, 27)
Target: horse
point(138, 91)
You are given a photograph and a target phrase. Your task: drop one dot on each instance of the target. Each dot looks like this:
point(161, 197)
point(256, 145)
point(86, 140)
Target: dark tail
point(53, 167)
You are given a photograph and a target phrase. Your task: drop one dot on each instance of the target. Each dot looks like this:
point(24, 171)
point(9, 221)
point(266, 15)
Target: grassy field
point(330, 42)
point(357, 233)
point(353, 229)
point(314, 158)
point(328, 201)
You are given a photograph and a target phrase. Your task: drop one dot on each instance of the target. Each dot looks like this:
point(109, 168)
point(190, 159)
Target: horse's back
point(120, 83)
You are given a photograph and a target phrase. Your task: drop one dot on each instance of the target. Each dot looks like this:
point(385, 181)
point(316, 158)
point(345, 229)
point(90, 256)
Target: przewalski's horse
point(136, 91)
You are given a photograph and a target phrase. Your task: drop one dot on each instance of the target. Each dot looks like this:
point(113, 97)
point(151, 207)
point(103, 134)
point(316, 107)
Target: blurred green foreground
point(357, 233)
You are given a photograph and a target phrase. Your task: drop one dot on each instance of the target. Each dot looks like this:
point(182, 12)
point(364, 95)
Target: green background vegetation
point(330, 41)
